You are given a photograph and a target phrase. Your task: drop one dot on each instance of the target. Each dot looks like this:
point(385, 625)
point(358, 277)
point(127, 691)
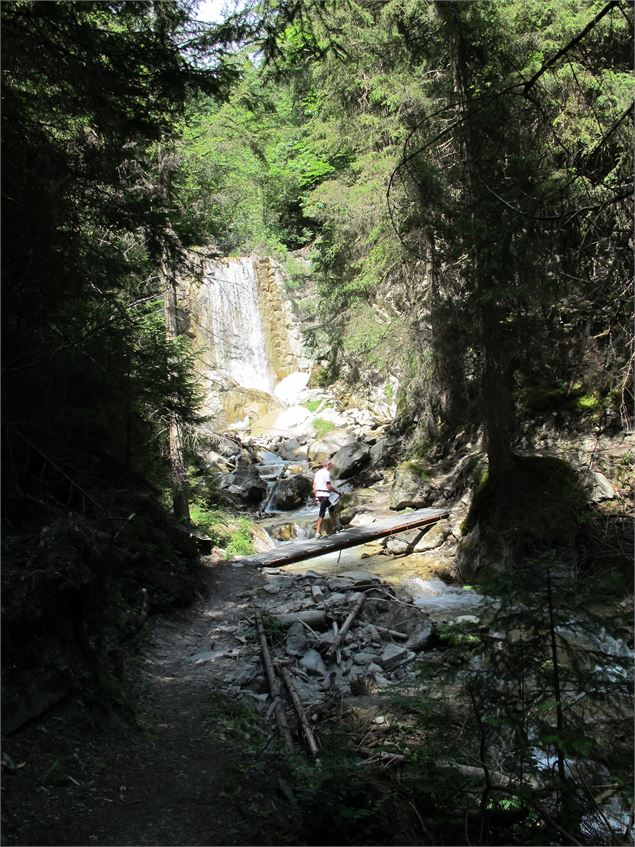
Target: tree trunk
point(180, 498)
point(489, 276)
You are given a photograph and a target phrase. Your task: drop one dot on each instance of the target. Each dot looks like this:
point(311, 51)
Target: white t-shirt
point(320, 483)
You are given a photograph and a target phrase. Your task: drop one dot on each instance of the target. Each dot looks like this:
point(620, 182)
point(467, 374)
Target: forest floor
point(158, 772)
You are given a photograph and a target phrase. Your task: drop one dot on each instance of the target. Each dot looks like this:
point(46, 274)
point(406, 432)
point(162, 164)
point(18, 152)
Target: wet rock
point(350, 459)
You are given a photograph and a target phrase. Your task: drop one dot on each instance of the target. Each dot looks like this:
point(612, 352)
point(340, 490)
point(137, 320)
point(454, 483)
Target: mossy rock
point(534, 506)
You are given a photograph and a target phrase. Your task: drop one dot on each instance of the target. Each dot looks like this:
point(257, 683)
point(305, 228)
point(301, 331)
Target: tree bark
point(180, 497)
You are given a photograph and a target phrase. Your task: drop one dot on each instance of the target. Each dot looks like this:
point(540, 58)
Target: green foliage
point(234, 722)
point(313, 405)
point(322, 427)
point(241, 543)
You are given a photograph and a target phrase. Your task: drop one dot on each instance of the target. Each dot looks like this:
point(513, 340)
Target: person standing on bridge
point(322, 490)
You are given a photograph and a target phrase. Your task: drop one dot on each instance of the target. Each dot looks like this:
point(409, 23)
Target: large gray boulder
point(246, 485)
point(411, 488)
point(383, 452)
point(324, 448)
point(291, 492)
point(349, 460)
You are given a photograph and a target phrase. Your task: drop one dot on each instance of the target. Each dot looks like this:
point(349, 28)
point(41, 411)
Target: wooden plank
point(287, 554)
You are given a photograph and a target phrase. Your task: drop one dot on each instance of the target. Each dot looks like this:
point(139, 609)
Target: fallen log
point(274, 685)
point(299, 708)
point(312, 617)
point(395, 633)
point(346, 625)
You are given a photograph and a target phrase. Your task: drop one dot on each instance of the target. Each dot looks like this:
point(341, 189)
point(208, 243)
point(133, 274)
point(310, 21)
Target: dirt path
point(162, 776)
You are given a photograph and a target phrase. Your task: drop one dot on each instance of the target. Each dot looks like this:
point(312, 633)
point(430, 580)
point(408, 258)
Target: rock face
point(349, 460)
point(291, 492)
point(410, 488)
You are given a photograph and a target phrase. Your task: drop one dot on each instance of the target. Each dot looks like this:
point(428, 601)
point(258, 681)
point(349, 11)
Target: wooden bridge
point(297, 551)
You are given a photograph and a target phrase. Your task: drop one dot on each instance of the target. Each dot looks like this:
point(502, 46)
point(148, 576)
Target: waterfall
point(237, 328)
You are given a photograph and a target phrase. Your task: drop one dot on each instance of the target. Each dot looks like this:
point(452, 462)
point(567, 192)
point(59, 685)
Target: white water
point(239, 339)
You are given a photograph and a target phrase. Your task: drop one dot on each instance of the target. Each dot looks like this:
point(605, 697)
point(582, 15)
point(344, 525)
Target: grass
point(322, 427)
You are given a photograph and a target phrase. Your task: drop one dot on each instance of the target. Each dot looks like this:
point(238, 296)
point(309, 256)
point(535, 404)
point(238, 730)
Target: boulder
point(350, 459)
point(421, 638)
point(434, 537)
point(292, 448)
point(410, 488)
point(297, 642)
point(313, 664)
point(326, 447)
point(393, 655)
point(245, 484)
point(261, 539)
point(291, 386)
point(599, 487)
point(291, 492)
point(383, 452)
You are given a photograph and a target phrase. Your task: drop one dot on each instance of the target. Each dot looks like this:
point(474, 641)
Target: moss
point(416, 468)
point(322, 427)
point(538, 500)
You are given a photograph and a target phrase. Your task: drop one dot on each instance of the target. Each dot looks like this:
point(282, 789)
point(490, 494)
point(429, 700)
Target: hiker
point(322, 490)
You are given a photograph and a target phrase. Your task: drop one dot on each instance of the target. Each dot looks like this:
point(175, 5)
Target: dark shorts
point(325, 504)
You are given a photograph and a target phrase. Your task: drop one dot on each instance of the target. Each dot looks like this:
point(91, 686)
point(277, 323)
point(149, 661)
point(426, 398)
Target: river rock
point(410, 488)
point(434, 537)
point(261, 539)
point(350, 459)
point(360, 519)
point(291, 493)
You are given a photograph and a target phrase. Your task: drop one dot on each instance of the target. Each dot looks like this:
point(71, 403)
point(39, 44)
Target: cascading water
point(239, 338)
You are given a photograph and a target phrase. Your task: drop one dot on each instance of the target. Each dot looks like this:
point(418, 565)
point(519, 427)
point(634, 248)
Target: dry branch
point(274, 685)
point(297, 703)
point(346, 625)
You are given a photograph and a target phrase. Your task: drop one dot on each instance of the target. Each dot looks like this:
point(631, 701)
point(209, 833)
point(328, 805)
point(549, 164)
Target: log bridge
point(297, 551)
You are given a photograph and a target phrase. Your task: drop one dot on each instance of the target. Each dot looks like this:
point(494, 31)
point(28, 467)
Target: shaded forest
point(457, 177)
